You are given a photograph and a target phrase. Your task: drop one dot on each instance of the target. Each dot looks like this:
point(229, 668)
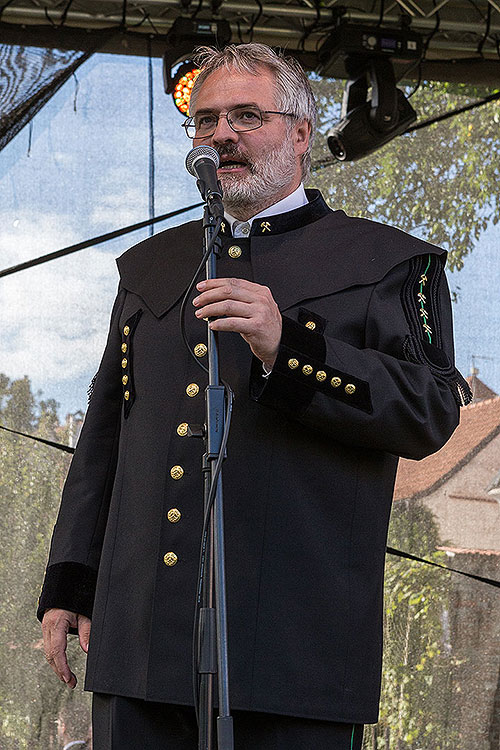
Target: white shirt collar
point(295, 200)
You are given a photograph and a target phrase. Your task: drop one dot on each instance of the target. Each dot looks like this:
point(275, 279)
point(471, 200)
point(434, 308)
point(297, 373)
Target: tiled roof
point(462, 551)
point(479, 423)
point(480, 390)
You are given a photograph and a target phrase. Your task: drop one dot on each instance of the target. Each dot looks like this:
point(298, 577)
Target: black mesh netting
point(30, 76)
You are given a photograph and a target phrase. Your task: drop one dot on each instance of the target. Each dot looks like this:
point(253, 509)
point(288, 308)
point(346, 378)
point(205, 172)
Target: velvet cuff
point(68, 585)
point(300, 371)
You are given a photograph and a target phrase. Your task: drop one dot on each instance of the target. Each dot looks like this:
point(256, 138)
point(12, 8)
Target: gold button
point(126, 330)
point(126, 395)
point(321, 375)
point(176, 472)
point(350, 388)
point(182, 429)
point(170, 559)
point(124, 362)
point(125, 379)
point(174, 515)
point(311, 325)
point(192, 389)
point(200, 350)
point(335, 382)
point(293, 364)
point(234, 251)
point(124, 348)
point(307, 369)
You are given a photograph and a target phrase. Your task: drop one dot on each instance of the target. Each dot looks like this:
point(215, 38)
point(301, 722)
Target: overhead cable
point(95, 241)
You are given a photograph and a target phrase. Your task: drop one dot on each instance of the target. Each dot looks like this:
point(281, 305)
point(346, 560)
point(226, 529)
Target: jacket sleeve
point(400, 393)
point(78, 535)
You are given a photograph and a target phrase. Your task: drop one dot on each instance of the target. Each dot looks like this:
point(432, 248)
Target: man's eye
point(249, 115)
point(204, 121)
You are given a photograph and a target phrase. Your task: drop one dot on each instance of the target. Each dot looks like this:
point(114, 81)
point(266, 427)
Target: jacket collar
point(306, 253)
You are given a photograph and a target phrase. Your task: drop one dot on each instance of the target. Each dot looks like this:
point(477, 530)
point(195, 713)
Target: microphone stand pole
point(212, 625)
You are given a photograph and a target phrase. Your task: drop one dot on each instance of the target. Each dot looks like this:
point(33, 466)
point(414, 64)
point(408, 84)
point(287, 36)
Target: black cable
point(382, 11)
point(4, 6)
point(255, 19)
point(459, 110)
point(203, 546)
point(123, 23)
point(95, 241)
point(409, 556)
point(64, 15)
point(432, 34)
point(197, 10)
point(151, 177)
point(49, 19)
point(308, 30)
point(486, 33)
point(52, 444)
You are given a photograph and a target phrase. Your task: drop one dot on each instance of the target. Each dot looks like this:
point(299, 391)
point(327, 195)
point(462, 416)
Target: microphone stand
point(212, 622)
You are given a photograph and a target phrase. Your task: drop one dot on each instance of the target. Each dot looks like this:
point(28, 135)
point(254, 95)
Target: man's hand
point(55, 626)
point(244, 307)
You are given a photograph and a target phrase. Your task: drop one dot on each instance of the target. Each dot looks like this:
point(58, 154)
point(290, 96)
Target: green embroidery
point(352, 735)
point(422, 299)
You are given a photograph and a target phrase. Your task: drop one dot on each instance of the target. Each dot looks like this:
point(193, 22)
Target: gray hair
point(293, 91)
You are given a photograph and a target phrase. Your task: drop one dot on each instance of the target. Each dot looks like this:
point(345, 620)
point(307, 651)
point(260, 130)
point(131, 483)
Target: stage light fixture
point(179, 72)
point(183, 82)
point(370, 55)
point(368, 124)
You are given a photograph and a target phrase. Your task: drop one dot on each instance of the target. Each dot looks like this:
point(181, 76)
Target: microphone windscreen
point(201, 152)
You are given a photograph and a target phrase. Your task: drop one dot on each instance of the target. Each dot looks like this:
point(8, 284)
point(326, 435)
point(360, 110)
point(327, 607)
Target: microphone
point(202, 163)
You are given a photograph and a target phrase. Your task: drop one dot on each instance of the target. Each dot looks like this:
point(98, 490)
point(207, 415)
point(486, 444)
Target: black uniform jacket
point(364, 374)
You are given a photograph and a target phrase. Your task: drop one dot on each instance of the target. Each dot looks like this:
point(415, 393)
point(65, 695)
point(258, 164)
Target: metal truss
point(455, 29)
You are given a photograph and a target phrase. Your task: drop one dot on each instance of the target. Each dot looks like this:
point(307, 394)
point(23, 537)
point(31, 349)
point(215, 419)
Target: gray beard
point(270, 174)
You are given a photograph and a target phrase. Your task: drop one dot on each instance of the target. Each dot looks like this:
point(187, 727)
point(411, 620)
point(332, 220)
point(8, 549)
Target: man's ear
point(302, 133)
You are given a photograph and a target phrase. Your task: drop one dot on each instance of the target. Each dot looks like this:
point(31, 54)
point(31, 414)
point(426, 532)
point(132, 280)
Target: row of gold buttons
point(321, 376)
point(174, 515)
point(126, 332)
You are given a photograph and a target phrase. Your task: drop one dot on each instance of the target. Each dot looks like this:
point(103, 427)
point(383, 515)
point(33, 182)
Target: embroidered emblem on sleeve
point(423, 344)
point(423, 299)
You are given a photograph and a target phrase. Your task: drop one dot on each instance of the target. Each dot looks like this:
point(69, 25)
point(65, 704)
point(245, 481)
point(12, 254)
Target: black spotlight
point(179, 73)
point(369, 124)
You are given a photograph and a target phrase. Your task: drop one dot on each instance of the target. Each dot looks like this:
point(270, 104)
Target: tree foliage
point(32, 700)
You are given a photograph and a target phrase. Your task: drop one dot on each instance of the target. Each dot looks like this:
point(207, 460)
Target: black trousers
point(130, 724)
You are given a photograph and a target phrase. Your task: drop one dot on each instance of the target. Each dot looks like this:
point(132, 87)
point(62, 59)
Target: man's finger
point(214, 283)
point(226, 307)
point(84, 632)
point(58, 641)
point(236, 325)
point(55, 627)
point(228, 291)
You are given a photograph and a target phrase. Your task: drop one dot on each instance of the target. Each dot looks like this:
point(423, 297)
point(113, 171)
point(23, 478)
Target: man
point(336, 338)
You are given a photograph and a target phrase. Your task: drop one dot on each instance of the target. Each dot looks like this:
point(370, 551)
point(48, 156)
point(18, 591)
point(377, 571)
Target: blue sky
point(87, 174)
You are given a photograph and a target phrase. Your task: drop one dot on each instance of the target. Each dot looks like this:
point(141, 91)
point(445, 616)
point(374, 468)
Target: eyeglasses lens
point(240, 120)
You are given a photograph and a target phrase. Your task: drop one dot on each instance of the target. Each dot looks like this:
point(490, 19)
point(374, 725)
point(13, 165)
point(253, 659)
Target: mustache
point(234, 152)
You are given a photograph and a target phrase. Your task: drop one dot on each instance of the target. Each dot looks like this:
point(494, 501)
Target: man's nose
point(223, 132)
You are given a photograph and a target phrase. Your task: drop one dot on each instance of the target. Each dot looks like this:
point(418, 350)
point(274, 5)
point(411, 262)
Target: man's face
point(257, 167)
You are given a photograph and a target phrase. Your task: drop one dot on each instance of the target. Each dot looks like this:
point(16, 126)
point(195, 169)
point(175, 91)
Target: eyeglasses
point(239, 119)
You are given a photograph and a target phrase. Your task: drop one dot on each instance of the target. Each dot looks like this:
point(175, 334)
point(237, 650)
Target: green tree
point(31, 476)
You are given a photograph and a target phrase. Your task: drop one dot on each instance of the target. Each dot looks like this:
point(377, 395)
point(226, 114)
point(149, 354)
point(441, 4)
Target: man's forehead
point(236, 88)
